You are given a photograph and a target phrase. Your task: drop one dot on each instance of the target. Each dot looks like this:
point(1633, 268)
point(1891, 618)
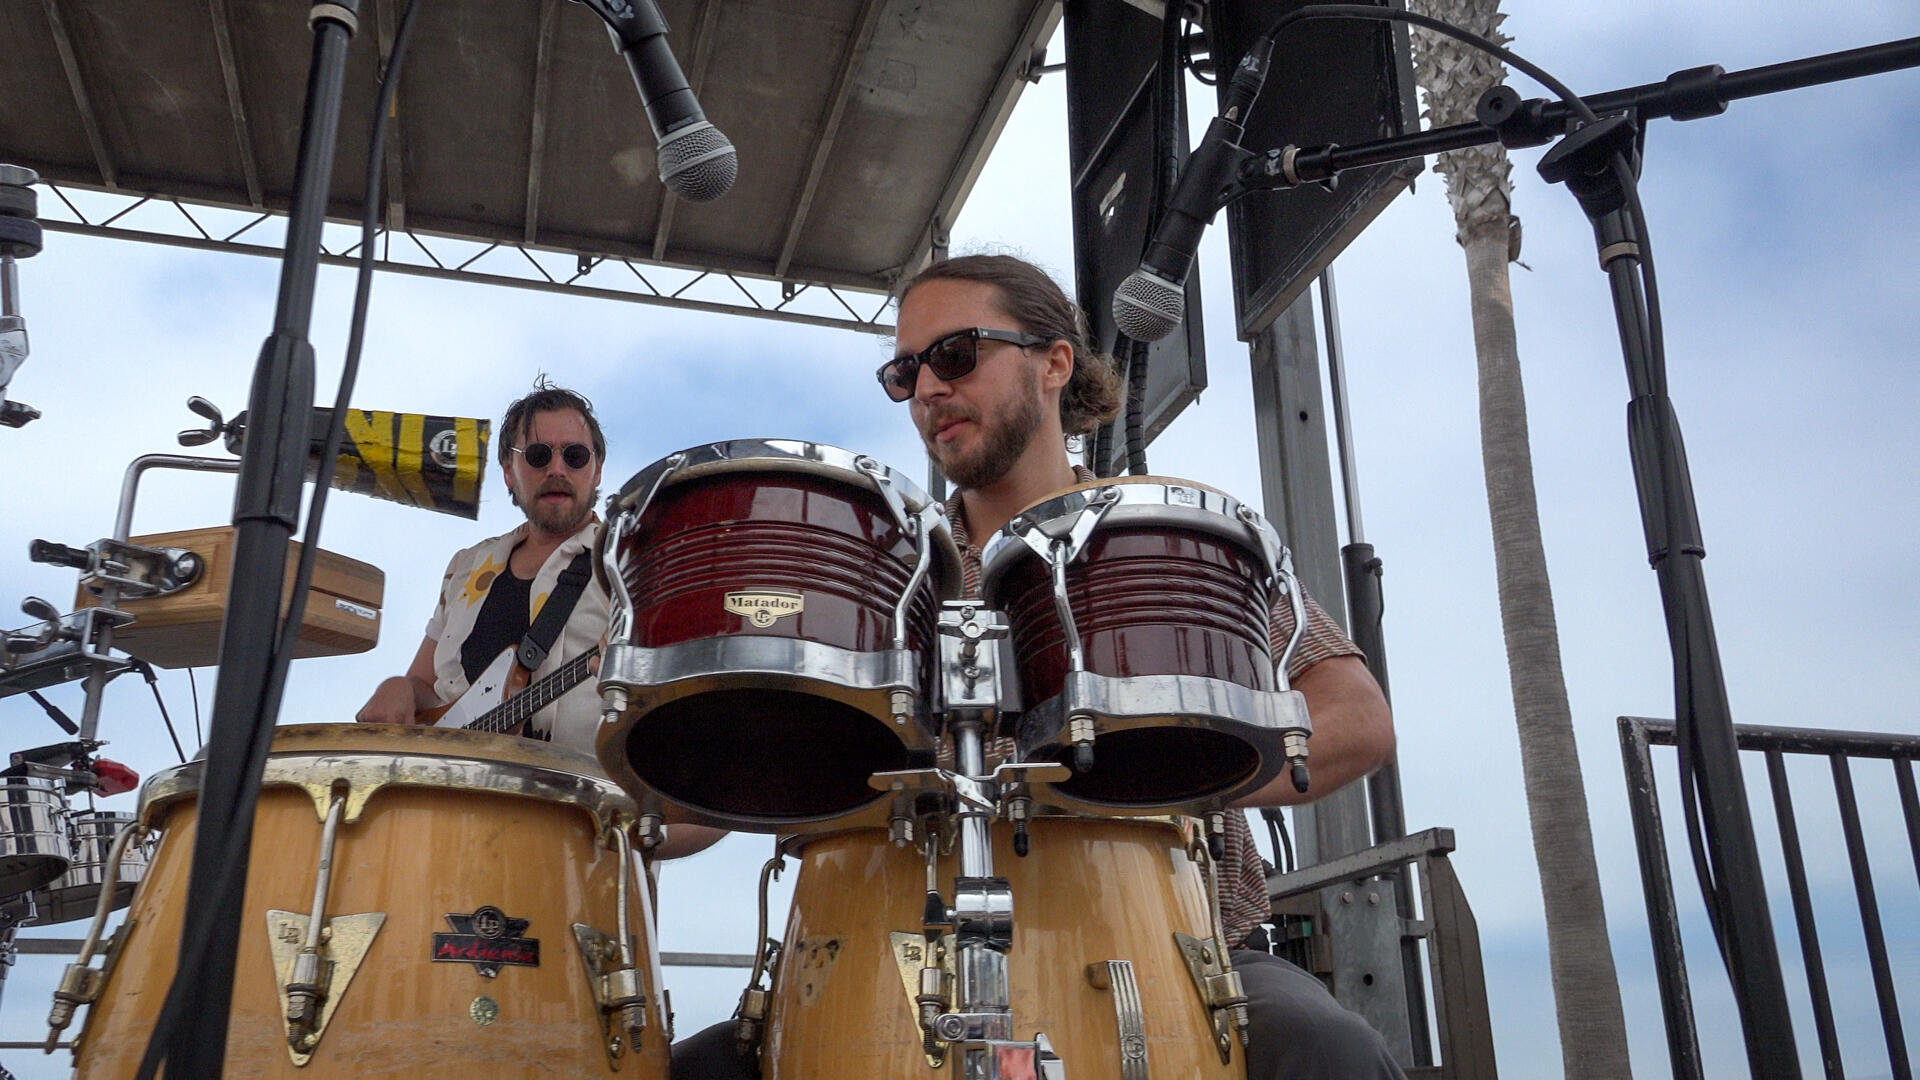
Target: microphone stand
point(192, 1033)
point(1591, 160)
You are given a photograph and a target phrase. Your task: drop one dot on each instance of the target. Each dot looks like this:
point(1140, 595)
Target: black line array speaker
point(1342, 81)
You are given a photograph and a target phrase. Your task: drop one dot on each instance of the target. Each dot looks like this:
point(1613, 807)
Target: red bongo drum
point(1139, 613)
point(774, 606)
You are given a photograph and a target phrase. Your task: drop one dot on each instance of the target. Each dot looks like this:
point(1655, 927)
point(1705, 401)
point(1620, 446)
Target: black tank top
point(502, 622)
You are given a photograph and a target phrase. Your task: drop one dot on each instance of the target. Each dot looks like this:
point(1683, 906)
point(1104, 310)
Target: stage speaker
point(1114, 105)
point(1343, 81)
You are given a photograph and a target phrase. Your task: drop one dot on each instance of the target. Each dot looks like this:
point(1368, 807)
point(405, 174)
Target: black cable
point(153, 684)
point(199, 739)
point(1137, 370)
point(180, 995)
point(1281, 838)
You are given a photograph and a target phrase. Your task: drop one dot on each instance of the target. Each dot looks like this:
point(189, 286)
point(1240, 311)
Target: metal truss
point(173, 222)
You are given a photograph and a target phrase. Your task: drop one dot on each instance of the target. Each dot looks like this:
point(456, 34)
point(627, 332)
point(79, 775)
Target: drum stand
point(971, 1009)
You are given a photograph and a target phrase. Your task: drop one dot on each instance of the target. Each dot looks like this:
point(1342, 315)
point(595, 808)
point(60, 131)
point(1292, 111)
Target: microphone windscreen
point(698, 162)
point(1146, 306)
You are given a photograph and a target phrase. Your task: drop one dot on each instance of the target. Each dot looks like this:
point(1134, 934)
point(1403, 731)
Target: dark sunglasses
point(539, 454)
point(950, 358)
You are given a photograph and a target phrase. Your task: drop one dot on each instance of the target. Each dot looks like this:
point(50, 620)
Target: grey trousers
point(1297, 1032)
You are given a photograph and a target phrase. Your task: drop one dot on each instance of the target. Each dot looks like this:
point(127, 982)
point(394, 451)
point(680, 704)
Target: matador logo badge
point(763, 607)
point(487, 938)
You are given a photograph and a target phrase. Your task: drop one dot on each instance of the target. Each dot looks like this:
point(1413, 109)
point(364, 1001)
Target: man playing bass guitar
point(513, 644)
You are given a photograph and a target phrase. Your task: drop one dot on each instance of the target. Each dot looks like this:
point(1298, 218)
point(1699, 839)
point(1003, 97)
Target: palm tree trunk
point(1593, 1034)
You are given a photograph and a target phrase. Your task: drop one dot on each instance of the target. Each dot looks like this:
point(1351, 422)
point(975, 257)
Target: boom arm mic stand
point(191, 1036)
point(1592, 159)
point(1598, 162)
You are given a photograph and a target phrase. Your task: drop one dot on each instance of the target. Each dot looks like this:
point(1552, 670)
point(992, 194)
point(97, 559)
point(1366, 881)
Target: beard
point(1004, 436)
point(563, 519)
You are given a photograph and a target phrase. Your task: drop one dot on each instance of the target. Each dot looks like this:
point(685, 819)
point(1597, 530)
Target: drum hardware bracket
point(750, 1016)
point(314, 958)
point(1221, 991)
point(1129, 1017)
point(81, 983)
point(1279, 562)
point(925, 962)
point(139, 572)
point(617, 989)
point(615, 980)
point(1057, 552)
point(62, 651)
point(321, 981)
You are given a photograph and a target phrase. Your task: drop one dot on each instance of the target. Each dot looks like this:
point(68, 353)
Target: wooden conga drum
point(1089, 892)
point(474, 894)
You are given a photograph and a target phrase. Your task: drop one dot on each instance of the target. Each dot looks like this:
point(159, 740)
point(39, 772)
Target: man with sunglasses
point(994, 364)
point(550, 449)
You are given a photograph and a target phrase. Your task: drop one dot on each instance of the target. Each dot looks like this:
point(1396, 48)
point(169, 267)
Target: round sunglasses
point(540, 454)
point(950, 358)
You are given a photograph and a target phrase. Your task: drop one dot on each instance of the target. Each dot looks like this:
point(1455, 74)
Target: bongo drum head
point(760, 753)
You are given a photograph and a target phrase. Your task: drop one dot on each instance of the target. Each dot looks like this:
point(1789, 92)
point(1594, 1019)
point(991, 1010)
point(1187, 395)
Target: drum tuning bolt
point(1217, 836)
point(900, 830)
point(651, 831)
point(1020, 811)
point(1080, 731)
point(1295, 747)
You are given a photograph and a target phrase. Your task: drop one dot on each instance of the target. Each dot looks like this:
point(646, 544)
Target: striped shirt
point(1243, 882)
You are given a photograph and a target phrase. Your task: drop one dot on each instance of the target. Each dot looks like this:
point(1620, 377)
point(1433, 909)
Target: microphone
point(1153, 299)
point(696, 160)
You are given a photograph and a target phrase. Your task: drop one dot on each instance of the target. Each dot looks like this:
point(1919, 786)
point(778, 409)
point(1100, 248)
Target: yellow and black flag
point(432, 462)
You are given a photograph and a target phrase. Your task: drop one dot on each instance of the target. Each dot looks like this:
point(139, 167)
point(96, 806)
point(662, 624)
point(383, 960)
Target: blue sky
point(1783, 233)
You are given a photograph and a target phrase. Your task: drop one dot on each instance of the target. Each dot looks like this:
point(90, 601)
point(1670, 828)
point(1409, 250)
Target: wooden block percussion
point(182, 629)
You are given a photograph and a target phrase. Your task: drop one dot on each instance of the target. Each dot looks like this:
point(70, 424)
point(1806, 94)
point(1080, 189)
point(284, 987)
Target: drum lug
point(618, 990)
point(79, 985)
point(310, 980)
point(1279, 563)
point(1221, 991)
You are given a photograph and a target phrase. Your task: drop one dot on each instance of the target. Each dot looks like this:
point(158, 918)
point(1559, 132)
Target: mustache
point(939, 417)
point(551, 486)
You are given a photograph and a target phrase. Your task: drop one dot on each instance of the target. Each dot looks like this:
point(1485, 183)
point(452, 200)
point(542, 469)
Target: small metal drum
point(75, 894)
point(773, 621)
point(35, 844)
point(484, 916)
point(1140, 625)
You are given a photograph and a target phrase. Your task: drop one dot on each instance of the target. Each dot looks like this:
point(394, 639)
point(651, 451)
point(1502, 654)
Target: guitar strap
point(555, 612)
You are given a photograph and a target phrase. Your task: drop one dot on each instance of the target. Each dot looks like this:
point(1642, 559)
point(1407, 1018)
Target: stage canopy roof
point(861, 124)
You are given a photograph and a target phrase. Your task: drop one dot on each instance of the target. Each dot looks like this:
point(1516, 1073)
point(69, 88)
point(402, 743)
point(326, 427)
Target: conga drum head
point(35, 846)
point(1170, 592)
point(763, 584)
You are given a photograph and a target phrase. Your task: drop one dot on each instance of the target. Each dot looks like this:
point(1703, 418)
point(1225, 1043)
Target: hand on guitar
point(402, 698)
point(392, 703)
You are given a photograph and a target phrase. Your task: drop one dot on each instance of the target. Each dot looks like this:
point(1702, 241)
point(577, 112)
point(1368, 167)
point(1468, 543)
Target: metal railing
point(1446, 923)
point(1638, 736)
